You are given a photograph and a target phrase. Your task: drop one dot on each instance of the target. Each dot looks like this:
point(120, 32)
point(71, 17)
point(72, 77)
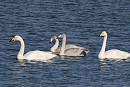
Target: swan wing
point(69, 46)
point(39, 55)
point(73, 46)
point(76, 52)
point(116, 54)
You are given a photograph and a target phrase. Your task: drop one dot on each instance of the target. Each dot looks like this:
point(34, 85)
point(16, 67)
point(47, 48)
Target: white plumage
point(111, 54)
point(32, 55)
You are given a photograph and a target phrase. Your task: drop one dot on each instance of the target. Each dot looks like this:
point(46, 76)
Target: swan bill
point(11, 40)
point(100, 35)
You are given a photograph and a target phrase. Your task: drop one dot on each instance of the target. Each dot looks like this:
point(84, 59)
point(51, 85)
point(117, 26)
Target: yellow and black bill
point(11, 40)
point(100, 35)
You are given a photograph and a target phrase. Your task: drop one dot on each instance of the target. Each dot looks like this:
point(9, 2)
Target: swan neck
point(63, 46)
point(21, 52)
point(103, 47)
point(55, 46)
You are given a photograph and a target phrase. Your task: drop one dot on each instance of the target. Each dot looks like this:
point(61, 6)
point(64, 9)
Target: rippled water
point(82, 21)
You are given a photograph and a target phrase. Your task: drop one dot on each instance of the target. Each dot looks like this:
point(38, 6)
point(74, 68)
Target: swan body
point(111, 54)
point(32, 55)
point(39, 55)
point(57, 49)
point(78, 51)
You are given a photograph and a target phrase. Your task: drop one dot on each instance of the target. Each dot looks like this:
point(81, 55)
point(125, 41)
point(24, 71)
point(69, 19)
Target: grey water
point(82, 21)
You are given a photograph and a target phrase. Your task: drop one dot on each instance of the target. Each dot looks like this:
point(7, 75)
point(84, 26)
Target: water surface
point(82, 21)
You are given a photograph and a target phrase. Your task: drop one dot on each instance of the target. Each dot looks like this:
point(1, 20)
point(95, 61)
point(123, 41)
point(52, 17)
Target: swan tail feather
point(84, 52)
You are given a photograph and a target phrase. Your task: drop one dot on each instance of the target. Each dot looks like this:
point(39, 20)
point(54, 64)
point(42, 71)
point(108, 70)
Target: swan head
point(16, 38)
point(104, 33)
point(52, 38)
point(62, 35)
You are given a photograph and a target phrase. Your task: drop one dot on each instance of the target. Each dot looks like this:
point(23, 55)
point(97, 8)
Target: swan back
point(114, 53)
point(73, 46)
point(39, 55)
point(76, 52)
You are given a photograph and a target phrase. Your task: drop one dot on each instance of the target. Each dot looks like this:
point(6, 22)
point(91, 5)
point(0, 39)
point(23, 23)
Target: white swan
point(79, 51)
point(56, 49)
point(32, 55)
point(111, 54)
